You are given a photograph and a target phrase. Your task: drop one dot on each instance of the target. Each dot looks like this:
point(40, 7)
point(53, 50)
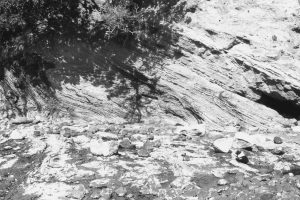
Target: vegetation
point(32, 31)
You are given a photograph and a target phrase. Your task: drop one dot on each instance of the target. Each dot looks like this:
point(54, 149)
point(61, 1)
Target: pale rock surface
point(20, 134)
point(228, 61)
point(223, 67)
point(65, 169)
point(9, 163)
point(83, 140)
point(98, 183)
point(106, 135)
point(51, 191)
point(223, 145)
point(101, 148)
point(261, 140)
point(296, 129)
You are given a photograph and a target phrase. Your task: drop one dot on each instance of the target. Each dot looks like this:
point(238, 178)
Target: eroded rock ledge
point(235, 62)
point(224, 63)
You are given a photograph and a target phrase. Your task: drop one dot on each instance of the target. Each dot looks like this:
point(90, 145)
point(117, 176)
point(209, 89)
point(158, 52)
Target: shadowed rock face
point(231, 62)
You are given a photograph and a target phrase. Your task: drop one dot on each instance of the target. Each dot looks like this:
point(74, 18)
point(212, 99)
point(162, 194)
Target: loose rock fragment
point(21, 120)
point(296, 129)
point(121, 191)
point(278, 140)
point(99, 183)
point(37, 133)
point(278, 151)
point(222, 182)
point(96, 194)
point(241, 157)
point(143, 153)
point(101, 148)
point(17, 135)
point(126, 144)
point(223, 145)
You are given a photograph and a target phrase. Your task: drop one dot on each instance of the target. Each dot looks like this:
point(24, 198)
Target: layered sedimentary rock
point(227, 62)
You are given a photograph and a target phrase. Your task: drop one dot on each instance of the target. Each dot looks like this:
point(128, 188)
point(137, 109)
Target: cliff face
point(226, 62)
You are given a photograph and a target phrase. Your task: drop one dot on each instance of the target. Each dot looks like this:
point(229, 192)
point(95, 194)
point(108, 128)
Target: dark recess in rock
point(296, 29)
point(288, 109)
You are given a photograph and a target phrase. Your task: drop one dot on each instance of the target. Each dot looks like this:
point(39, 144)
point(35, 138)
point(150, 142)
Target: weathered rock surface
point(51, 166)
point(223, 145)
point(104, 148)
point(234, 62)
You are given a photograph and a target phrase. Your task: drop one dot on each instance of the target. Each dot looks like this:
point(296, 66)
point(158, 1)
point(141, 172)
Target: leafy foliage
point(33, 33)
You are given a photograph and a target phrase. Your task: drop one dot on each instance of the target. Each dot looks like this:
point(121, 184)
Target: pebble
point(96, 194)
point(126, 144)
point(7, 148)
point(185, 157)
point(241, 157)
point(289, 158)
point(17, 135)
point(222, 182)
point(121, 191)
point(100, 148)
point(66, 132)
point(278, 140)
point(298, 184)
point(37, 133)
point(278, 151)
point(106, 194)
point(98, 183)
point(215, 135)
point(77, 194)
point(150, 137)
point(21, 120)
point(143, 153)
point(296, 129)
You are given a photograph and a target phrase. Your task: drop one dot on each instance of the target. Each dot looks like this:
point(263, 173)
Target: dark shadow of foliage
point(70, 49)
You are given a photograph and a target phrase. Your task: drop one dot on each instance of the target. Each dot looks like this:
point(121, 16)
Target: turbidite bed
point(219, 103)
point(224, 62)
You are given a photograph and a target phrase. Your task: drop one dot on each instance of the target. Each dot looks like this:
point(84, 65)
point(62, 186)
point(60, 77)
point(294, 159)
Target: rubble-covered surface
point(147, 161)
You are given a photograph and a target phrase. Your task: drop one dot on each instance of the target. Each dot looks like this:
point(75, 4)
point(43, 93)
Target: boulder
point(223, 145)
point(101, 148)
point(296, 129)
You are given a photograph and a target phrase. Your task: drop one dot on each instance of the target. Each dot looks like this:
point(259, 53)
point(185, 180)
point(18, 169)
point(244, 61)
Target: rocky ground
point(74, 159)
point(231, 64)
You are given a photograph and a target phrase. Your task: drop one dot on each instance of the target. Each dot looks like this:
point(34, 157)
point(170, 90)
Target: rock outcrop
point(225, 63)
point(234, 62)
point(163, 162)
point(238, 60)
